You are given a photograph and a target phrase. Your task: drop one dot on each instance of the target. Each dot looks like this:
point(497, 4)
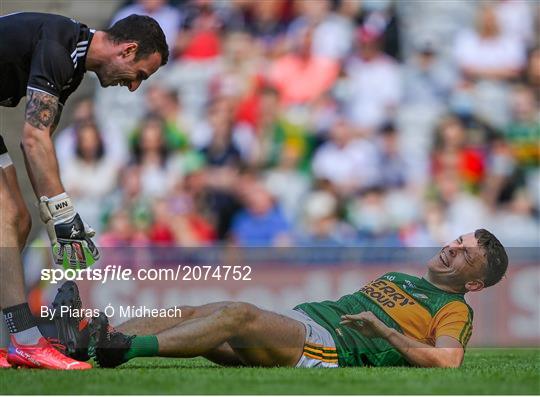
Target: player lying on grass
point(397, 319)
point(44, 57)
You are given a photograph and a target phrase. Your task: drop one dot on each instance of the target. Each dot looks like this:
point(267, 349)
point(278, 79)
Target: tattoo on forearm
point(41, 109)
point(56, 118)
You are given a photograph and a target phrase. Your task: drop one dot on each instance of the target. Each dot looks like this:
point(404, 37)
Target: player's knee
point(241, 312)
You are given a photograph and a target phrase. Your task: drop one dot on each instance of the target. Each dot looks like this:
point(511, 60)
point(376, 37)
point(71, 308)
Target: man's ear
point(474, 286)
point(129, 49)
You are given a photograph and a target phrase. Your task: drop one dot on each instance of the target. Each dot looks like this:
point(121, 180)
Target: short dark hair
point(144, 31)
point(497, 259)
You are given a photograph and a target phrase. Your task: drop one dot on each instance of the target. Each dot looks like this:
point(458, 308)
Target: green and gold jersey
point(410, 305)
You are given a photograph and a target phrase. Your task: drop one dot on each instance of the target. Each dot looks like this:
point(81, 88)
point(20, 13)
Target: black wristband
point(18, 318)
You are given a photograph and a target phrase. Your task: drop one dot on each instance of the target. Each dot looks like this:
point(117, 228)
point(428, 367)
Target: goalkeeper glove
point(70, 237)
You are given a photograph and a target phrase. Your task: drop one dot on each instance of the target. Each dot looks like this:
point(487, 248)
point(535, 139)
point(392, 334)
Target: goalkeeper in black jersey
point(44, 57)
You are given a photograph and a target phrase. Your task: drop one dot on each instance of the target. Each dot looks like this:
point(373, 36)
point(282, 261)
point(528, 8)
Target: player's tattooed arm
point(37, 145)
point(57, 118)
point(42, 110)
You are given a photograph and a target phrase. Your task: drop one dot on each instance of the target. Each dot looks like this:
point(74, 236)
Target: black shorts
point(10, 89)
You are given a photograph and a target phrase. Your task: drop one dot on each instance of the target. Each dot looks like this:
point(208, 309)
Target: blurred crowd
point(318, 123)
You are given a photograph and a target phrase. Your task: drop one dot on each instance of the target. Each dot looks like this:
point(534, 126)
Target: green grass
point(485, 371)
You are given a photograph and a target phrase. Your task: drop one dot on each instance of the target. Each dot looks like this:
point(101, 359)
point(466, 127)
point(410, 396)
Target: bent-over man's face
point(461, 264)
point(124, 70)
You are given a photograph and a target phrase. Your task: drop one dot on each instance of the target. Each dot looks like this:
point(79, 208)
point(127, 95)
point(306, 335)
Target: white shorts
point(319, 346)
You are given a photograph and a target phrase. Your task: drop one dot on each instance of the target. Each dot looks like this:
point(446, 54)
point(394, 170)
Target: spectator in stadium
point(523, 132)
point(382, 17)
point(321, 223)
point(151, 154)
point(516, 18)
point(176, 123)
point(221, 150)
point(199, 37)
point(500, 173)
point(486, 52)
point(488, 60)
point(301, 76)
point(121, 232)
point(130, 187)
point(279, 132)
point(240, 67)
point(287, 183)
point(516, 222)
point(333, 31)
point(188, 218)
point(129, 197)
point(348, 162)
point(267, 25)
point(392, 165)
point(427, 79)
point(369, 213)
point(323, 112)
point(160, 232)
point(430, 229)
point(374, 86)
point(453, 152)
point(261, 222)
point(462, 208)
point(214, 194)
point(90, 163)
point(260, 111)
point(65, 140)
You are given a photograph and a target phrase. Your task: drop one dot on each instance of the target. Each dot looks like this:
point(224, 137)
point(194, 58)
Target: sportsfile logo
point(239, 273)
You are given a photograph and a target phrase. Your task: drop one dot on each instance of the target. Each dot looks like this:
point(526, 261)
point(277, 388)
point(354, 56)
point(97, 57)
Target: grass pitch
point(485, 371)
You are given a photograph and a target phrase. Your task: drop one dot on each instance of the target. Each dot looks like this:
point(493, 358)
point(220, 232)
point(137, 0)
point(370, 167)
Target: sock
point(21, 324)
point(142, 346)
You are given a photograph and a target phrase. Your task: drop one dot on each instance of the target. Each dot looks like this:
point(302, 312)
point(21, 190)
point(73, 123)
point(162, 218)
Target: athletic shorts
point(319, 346)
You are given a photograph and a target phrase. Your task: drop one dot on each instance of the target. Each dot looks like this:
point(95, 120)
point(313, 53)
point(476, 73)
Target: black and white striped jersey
point(44, 52)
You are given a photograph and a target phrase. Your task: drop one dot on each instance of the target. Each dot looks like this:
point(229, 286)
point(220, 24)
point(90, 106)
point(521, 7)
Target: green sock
point(142, 346)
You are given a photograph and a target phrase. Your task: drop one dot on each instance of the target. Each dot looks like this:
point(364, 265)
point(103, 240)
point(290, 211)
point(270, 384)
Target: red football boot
point(3, 359)
point(42, 355)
